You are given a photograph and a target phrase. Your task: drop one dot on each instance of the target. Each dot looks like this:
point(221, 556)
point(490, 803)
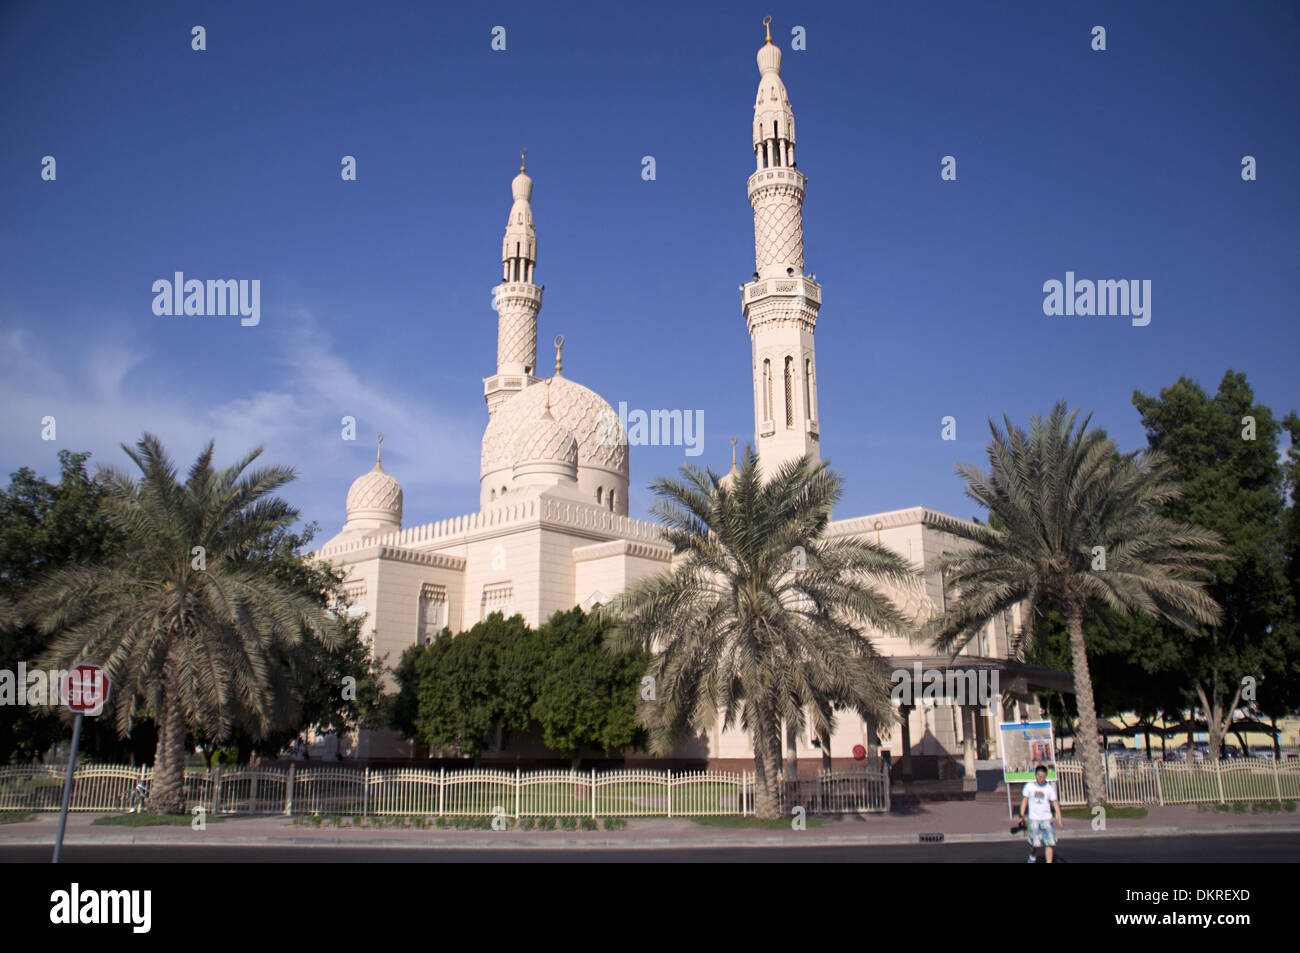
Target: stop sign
point(85, 689)
point(859, 752)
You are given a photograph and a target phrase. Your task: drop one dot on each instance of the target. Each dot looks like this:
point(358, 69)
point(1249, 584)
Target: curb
point(783, 839)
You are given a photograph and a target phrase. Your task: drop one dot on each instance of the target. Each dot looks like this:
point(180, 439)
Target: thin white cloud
point(102, 397)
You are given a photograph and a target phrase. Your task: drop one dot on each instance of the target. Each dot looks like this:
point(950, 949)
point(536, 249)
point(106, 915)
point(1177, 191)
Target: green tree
point(1078, 521)
point(763, 616)
point(187, 626)
point(43, 526)
point(460, 692)
point(1223, 452)
point(326, 688)
point(585, 695)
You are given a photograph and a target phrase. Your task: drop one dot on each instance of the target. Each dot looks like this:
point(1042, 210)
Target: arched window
point(767, 389)
point(494, 494)
point(611, 501)
point(599, 491)
point(789, 396)
point(807, 389)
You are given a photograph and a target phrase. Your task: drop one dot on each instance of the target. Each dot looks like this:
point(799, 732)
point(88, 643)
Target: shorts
point(1040, 833)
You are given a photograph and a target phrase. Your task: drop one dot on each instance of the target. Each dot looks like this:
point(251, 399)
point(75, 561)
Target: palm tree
point(183, 623)
point(1071, 520)
point(762, 616)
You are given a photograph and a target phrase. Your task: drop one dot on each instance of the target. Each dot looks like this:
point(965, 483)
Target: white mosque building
point(552, 529)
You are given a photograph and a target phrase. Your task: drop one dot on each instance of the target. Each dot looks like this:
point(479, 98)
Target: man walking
point(1038, 800)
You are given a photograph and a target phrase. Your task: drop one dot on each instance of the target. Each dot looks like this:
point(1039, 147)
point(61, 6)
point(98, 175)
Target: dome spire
point(559, 346)
point(767, 24)
point(379, 454)
point(546, 415)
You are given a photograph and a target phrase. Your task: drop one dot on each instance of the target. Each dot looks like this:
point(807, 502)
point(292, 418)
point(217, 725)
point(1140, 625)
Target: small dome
point(546, 441)
point(769, 57)
point(375, 499)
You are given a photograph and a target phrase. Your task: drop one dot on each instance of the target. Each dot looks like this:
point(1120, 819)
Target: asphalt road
point(1198, 849)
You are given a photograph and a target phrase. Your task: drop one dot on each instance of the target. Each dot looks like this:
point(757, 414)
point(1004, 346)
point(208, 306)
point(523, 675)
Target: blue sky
point(376, 294)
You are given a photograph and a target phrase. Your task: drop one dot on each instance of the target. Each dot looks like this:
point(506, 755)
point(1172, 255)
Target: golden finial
point(559, 344)
point(522, 153)
point(767, 22)
point(547, 414)
point(733, 453)
point(379, 452)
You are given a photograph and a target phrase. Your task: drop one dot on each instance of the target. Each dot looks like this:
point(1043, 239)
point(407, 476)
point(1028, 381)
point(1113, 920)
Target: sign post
point(1025, 744)
point(84, 690)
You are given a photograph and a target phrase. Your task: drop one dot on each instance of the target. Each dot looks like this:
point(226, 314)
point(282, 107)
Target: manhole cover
point(932, 838)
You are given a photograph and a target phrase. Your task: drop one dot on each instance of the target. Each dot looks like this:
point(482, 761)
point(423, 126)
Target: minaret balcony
point(507, 382)
point(518, 289)
point(784, 288)
point(778, 175)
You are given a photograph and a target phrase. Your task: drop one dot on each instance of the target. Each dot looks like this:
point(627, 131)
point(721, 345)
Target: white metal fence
point(1198, 782)
point(477, 792)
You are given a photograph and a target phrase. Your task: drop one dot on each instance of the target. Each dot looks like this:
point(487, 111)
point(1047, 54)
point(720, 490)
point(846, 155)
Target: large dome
point(601, 440)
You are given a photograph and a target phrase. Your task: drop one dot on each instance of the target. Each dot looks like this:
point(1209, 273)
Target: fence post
point(365, 792)
point(519, 790)
point(1160, 791)
point(216, 790)
point(1277, 783)
point(288, 792)
point(442, 783)
point(670, 792)
point(252, 791)
point(593, 794)
point(1218, 776)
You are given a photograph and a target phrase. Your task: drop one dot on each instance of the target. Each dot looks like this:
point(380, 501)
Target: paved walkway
point(958, 821)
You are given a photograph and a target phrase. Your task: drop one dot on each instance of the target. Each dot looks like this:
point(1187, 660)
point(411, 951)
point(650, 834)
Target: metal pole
point(67, 786)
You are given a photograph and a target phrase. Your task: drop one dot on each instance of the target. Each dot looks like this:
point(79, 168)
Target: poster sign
point(1025, 745)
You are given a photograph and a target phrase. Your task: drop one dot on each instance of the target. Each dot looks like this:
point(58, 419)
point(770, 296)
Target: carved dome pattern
point(547, 441)
point(591, 421)
point(375, 493)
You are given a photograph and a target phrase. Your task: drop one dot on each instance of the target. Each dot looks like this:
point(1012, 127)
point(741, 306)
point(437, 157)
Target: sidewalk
point(958, 821)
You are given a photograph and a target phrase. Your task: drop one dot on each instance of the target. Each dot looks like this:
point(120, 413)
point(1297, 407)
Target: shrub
point(587, 823)
point(570, 823)
point(546, 823)
point(615, 823)
point(527, 823)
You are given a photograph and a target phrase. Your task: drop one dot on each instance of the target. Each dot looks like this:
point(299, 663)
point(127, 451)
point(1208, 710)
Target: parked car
point(1262, 751)
point(1199, 752)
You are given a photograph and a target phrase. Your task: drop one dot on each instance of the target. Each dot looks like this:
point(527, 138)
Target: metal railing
point(470, 792)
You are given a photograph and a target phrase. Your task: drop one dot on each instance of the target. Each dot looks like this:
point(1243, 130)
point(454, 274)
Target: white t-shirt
point(1040, 797)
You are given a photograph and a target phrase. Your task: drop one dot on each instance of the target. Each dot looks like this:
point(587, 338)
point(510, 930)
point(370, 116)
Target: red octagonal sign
point(859, 752)
point(85, 689)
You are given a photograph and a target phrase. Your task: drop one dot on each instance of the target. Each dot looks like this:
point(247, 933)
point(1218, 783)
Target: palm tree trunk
point(167, 793)
point(766, 800)
point(1094, 780)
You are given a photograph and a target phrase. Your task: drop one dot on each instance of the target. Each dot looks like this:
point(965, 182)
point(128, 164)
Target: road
point(1202, 849)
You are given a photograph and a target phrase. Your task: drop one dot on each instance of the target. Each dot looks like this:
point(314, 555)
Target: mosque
point(552, 529)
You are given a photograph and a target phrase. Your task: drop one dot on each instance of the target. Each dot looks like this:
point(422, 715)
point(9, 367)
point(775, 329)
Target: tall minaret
point(781, 303)
point(517, 300)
